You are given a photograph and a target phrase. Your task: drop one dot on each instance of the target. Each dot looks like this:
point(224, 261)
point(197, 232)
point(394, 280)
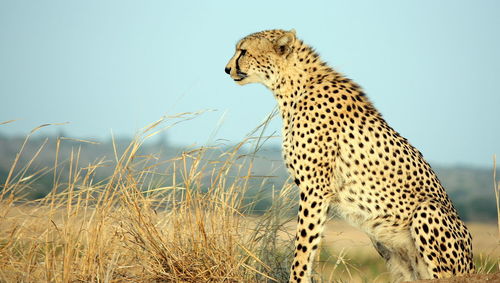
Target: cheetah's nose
point(227, 70)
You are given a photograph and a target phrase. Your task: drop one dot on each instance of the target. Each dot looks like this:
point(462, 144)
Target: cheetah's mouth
point(241, 75)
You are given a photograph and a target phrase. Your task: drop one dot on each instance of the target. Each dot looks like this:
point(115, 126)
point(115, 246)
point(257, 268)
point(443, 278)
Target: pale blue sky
point(431, 67)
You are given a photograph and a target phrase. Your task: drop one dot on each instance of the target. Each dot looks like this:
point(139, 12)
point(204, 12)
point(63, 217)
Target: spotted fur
point(343, 154)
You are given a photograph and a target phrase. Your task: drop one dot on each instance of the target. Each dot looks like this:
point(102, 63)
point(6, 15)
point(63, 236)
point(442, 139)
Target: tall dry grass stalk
point(129, 227)
point(496, 188)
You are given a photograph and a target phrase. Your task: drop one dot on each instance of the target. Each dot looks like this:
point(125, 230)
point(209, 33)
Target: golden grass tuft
point(128, 228)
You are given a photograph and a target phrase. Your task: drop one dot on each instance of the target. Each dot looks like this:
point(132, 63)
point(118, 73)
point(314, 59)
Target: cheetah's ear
point(283, 45)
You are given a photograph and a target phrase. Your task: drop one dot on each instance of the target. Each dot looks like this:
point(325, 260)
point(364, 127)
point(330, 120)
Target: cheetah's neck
point(306, 75)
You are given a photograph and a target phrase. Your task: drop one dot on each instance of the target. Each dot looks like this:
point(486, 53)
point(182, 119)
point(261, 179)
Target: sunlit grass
point(129, 227)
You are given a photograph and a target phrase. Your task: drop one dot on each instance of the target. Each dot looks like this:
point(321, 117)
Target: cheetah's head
point(260, 56)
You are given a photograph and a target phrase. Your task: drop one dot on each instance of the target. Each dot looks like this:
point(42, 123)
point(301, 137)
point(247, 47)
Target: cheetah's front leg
point(313, 208)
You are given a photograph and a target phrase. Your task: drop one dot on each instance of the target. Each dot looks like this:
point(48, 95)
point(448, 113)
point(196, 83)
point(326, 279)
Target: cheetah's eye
point(243, 52)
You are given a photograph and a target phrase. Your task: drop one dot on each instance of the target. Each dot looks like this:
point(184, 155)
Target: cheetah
point(343, 155)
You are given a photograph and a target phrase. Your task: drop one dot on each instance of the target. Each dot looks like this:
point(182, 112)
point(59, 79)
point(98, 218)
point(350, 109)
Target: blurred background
point(113, 67)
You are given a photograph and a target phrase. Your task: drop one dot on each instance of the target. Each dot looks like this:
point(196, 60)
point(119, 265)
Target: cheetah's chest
point(357, 194)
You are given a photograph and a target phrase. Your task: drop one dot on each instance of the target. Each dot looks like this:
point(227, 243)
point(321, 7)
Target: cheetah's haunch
point(341, 152)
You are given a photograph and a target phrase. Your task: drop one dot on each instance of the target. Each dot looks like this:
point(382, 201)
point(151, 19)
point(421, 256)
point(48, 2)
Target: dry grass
point(130, 227)
point(127, 228)
point(496, 188)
